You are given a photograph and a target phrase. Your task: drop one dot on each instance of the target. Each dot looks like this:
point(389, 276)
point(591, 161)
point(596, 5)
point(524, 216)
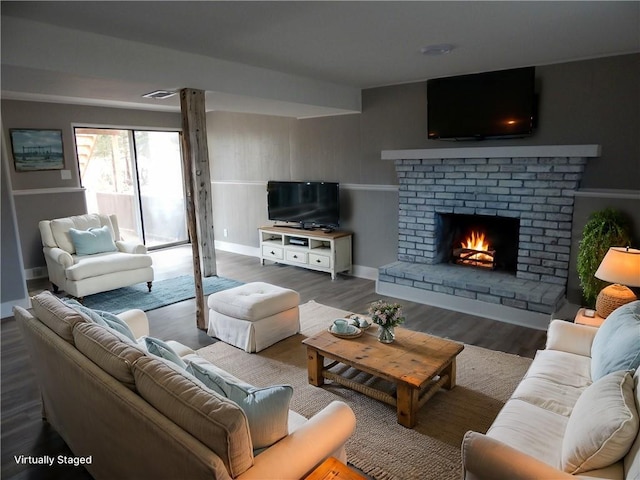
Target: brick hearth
point(534, 184)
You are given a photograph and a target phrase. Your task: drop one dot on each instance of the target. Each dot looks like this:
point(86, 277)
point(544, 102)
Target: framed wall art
point(36, 149)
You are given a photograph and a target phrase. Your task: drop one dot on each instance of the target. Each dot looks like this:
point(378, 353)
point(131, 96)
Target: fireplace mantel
point(585, 151)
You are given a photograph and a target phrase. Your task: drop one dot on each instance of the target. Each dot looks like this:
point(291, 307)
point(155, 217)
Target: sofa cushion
point(616, 346)
point(533, 430)
point(104, 263)
point(267, 408)
point(602, 426)
point(92, 241)
point(216, 421)
point(548, 394)
point(161, 349)
point(106, 319)
point(56, 315)
point(60, 228)
point(108, 349)
point(561, 368)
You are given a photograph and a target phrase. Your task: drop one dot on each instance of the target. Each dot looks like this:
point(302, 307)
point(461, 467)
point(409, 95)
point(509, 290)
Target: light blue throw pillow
point(267, 409)
point(616, 345)
point(92, 241)
point(161, 349)
point(106, 319)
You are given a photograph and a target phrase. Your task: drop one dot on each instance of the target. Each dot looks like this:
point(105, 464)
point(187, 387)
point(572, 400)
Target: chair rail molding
point(495, 152)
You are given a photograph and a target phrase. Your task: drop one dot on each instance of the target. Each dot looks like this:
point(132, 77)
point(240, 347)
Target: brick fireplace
point(525, 193)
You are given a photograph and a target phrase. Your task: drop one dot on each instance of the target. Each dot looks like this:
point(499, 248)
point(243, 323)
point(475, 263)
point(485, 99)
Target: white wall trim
point(605, 193)
point(524, 318)
point(370, 187)
point(6, 308)
point(345, 186)
point(36, 273)
point(237, 248)
point(368, 273)
point(108, 126)
point(48, 191)
point(239, 182)
point(495, 152)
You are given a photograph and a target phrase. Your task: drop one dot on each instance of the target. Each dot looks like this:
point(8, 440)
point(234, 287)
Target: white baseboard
point(237, 248)
point(37, 272)
point(360, 271)
point(503, 313)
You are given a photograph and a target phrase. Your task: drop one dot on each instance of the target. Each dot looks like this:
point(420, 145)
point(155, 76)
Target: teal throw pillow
point(267, 409)
point(106, 319)
point(616, 345)
point(92, 241)
point(161, 349)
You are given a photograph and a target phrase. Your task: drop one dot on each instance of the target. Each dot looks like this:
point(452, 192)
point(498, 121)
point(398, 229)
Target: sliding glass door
point(137, 175)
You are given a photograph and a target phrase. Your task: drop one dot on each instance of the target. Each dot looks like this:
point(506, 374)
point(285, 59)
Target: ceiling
point(297, 59)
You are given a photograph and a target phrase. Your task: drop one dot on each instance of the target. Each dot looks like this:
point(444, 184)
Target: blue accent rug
point(163, 293)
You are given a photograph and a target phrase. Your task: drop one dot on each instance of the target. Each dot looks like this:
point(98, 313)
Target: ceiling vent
point(159, 94)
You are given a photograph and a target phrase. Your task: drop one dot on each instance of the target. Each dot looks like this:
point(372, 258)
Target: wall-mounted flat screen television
point(499, 104)
point(310, 204)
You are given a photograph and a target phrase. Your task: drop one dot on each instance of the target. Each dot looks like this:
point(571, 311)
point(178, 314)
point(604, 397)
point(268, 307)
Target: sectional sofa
point(575, 413)
point(137, 414)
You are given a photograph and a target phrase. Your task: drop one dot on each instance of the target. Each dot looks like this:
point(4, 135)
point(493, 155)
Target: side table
point(334, 469)
point(582, 319)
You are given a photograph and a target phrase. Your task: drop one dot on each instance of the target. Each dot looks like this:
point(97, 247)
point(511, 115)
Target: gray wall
point(594, 101)
point(246, 151)
point(12, 282)
point(587, 102)
point(44, 194)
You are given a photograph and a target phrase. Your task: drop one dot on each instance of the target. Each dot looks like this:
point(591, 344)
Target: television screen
point(485, 105)
point(306, 203)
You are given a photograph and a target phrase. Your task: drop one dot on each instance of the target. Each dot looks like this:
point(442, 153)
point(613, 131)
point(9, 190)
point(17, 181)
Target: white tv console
point(313, 249)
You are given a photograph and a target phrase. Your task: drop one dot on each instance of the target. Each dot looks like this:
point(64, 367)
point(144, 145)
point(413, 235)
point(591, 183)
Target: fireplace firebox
point(481, 241)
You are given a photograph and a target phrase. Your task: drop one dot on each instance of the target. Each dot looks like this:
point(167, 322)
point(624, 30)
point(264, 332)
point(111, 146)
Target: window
point(137, 175)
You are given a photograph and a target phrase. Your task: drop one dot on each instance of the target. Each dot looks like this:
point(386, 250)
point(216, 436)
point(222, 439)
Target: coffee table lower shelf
point(423, 396)
point(416, 364)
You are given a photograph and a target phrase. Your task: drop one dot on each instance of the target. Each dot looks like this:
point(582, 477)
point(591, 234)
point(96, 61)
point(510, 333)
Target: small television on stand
point(307, 204)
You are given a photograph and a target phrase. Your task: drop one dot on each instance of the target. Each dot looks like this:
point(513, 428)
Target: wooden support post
point(195, 157)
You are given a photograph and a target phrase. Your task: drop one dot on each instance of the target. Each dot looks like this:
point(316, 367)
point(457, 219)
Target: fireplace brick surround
point(535, 184)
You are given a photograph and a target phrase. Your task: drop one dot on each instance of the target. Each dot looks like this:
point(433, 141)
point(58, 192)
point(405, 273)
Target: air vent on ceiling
point(159, 94)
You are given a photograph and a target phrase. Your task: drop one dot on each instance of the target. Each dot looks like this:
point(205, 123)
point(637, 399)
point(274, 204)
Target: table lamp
point(621, 267)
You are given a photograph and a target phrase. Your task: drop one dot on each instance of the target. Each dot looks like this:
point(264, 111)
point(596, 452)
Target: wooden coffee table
point(416, 363)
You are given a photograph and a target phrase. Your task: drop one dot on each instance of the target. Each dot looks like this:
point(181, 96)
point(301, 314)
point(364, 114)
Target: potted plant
point(605, 228)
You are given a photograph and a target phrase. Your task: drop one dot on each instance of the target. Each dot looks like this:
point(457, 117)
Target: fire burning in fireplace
point(475, 251)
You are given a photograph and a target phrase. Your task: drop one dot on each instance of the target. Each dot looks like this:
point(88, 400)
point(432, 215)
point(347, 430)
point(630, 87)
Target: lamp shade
point(620, 265)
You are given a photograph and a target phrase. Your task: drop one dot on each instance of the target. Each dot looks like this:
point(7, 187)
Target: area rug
point(163, 293)
point(381, 447)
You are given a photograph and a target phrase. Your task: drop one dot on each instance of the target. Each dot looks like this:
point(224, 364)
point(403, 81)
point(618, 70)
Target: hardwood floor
point(24, 433)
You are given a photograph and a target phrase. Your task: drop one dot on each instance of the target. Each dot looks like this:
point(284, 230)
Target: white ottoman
point(254, 316)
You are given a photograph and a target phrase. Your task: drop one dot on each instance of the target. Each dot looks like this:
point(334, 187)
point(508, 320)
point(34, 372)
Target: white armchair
point(120, 265)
